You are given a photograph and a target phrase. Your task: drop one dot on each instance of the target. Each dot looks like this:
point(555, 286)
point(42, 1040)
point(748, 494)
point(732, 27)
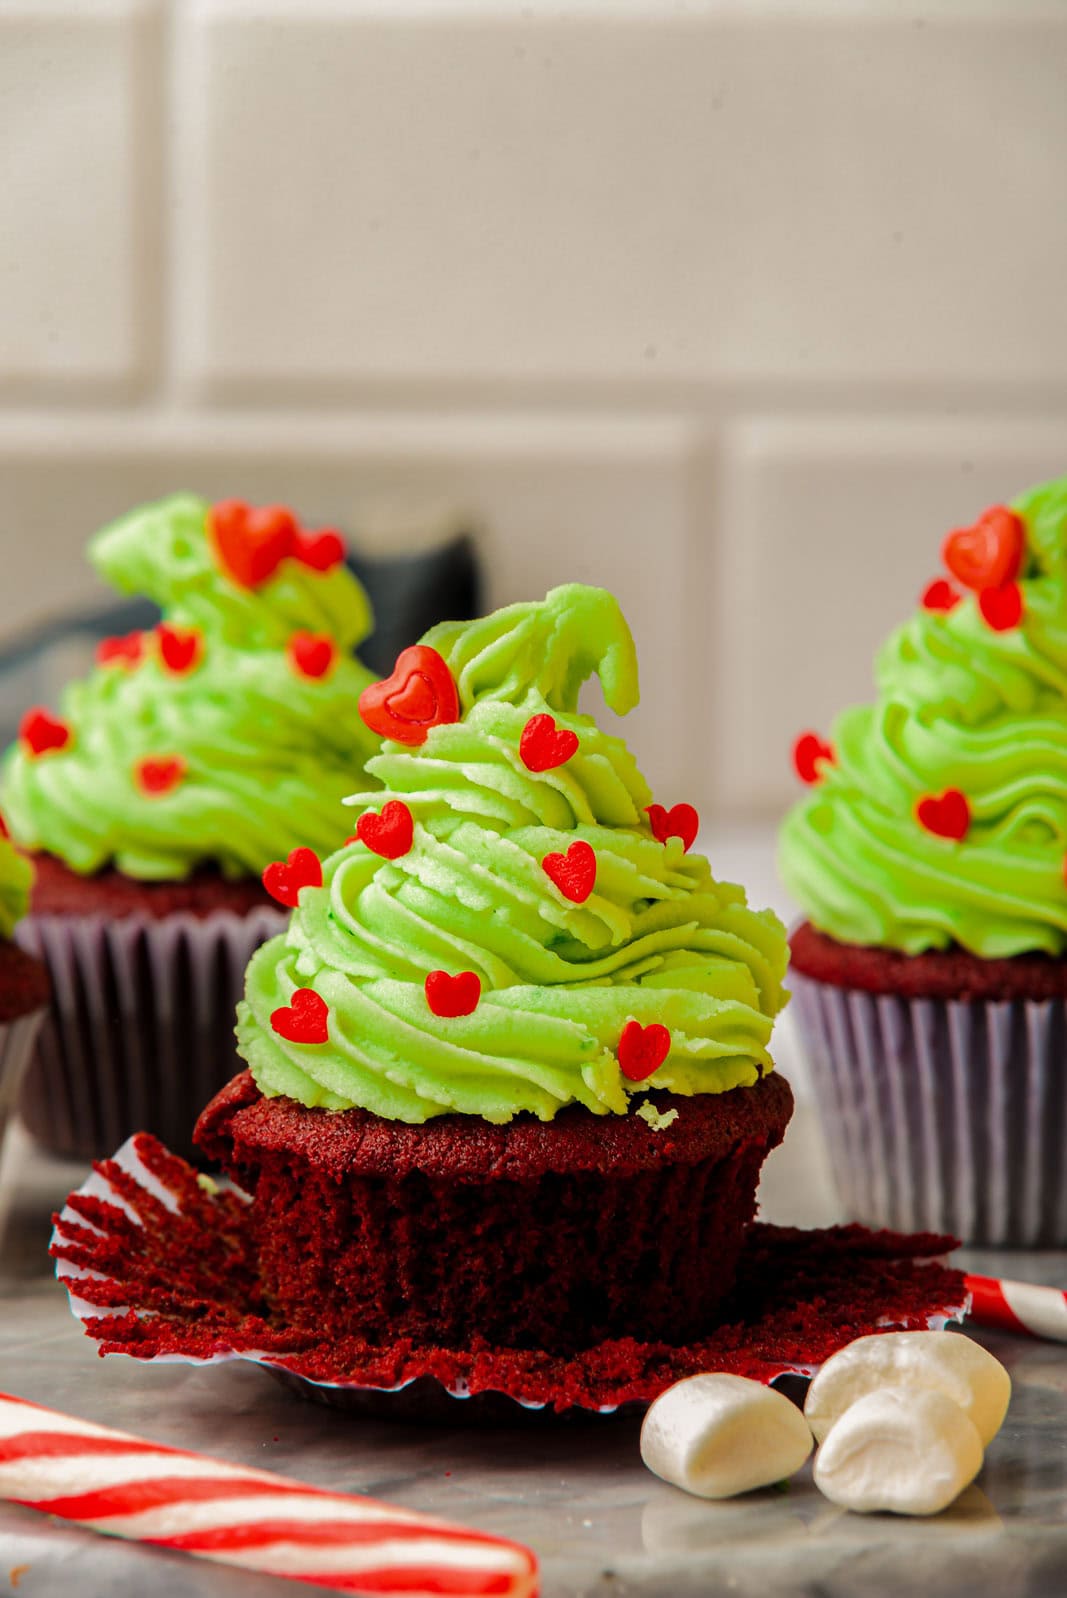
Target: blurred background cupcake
point(24, 986)
point(194, 755)
point(509, 1064)
point(929, 858)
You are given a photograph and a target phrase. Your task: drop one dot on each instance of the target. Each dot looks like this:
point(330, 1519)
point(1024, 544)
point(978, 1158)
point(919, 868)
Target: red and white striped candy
point(111, 1482)
point(1019, 1307)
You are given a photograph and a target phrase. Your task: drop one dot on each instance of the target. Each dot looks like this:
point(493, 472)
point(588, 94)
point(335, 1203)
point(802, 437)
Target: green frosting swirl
point(658, 940)
point(269, 753)
point(964, 707)
point(16, 879)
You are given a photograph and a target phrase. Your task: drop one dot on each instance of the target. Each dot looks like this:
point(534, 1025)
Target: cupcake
point(24, 988)
point(508, 1073)
point(191, 758)
point(928, 858)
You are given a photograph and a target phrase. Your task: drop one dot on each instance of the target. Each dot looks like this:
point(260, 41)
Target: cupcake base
point(941, 1081)
point(530, 1235)
point(160, 1267)
point(145, 980)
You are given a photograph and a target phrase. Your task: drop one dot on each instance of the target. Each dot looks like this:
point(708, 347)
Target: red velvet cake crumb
point(60, 891)
point(938, 974)
point(531, 1235)
point(188, 1285)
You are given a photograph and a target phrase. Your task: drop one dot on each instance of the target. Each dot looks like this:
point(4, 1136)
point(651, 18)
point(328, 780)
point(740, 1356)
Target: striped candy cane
point(124, 1486)
point(1019, 1307)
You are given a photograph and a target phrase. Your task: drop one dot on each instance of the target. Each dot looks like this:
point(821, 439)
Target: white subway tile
point(550, 502)
point(79, 89)
point(829, 530)
point(547, 195)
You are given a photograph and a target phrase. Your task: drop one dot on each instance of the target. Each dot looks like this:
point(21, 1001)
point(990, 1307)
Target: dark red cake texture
point(189, 1285)
point(59, 891)
point(939, 974)
point(530, 1235)
point(24, 984)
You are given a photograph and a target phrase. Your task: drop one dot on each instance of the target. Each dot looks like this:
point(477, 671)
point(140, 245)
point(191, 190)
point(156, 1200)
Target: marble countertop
point(576, 1492)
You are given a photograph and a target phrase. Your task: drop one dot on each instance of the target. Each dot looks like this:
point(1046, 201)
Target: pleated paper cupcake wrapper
point(17, 1039)
point(942, 1115)
point(140, 1032)
point(160, 1264)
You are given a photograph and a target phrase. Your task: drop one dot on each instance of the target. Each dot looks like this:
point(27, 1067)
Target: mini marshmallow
point(943, 1361)
point(911, 1453)
point(719, 1435)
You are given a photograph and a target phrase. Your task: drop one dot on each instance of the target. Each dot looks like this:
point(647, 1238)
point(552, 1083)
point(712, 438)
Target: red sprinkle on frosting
point(450, 996)
point(941, 596)
point(388, 834)
point(312, 654)
point(125, 650)
point(159, 774)
point(305, 1020)
point(251, 543)
point(643, 1049)
point(544, 746)
point(680, 821)
point(810, 753)
point(1001, 608)
point(322, 551)
point(419, 695)
point(573, 873)
point(283, 879)
point(42, 733)
point(946, 815)
point(180, 648)
point(989, 553)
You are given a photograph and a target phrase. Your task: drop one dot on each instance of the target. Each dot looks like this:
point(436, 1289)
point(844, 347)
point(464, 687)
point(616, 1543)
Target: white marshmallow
point(908, 1452)
point(917, 1361)
point(719, 1435)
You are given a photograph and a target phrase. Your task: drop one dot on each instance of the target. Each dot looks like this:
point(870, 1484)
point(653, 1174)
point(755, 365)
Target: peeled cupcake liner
point(148, 1250)
point(942, 1115)
point(140, 1030)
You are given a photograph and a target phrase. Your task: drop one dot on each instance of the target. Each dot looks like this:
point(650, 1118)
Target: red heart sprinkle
point(680, 821)
point(1001, 608)
point(574, 873)
point(5, 830)
point(988, 554)
point(42, 732)
point(312, 654)
point(321, 551)
point(303, 1021)
point(389, 834)
point(946, 815)
point(810, 752)
point(126, 650)
point(179, 647)
point(544, 746)
point(453, 996)
point(642, 1049)
point(251, 544)
point(158, 774)
point(940, 595)
point(283, 879)
point(419, 695)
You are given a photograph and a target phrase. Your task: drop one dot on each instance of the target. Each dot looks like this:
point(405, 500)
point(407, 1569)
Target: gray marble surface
point(577, 1493)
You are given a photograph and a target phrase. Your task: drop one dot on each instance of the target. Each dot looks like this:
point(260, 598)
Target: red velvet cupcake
point(24, 986)
point(509, 1074)
point(193, 756)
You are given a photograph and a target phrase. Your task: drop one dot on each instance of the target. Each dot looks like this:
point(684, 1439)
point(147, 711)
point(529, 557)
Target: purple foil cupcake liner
point(140, 1032)
point(942, 1115)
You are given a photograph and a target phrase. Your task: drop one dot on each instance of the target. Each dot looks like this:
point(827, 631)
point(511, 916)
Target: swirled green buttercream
point(16, 878)
point(961, 706)
point(657, 941)
point(266, 749)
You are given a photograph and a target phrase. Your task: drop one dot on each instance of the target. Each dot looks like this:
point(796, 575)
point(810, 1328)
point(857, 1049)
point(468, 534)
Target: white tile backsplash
point(732, 305)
